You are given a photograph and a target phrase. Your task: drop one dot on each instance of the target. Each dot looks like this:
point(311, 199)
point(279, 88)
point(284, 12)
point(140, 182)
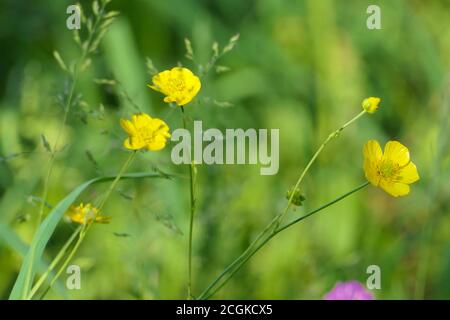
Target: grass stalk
point(273, 227)
point(85, 228)
point(234, 267)
point(192, 178)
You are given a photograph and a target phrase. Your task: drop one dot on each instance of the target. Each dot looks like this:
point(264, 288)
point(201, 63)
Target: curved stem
point(241, 260)
point(85, 228)
point(116, 180)
point(274, 224)
point(331, 136)
point(54, 263)
point(66, 262)
point(47, 179)
point(74, 77)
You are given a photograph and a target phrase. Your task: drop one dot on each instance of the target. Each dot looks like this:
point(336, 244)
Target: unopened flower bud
point(297, 198)
point(371, 104)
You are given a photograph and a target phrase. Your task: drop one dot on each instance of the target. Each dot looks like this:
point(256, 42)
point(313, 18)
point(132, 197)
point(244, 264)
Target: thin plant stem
point(240, 258)
point(230, 270)
point(67, 107)
point(54, 262)
point(86, 227)
point(192, 176)
point(55, 146)
point(330, 137)
point(67, 260)
point(274, 224)
point(47, 179)
point(74, 77)
point(116, 180)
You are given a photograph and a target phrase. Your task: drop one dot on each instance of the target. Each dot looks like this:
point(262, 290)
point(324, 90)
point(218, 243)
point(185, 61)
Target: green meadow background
point(300, 66)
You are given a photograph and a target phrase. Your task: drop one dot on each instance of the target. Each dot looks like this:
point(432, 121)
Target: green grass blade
point(9, 238)
point(48, 226)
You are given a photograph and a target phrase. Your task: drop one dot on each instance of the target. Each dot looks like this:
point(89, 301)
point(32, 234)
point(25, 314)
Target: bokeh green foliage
point(300, 66)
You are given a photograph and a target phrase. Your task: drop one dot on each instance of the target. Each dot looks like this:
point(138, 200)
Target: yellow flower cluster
point(86, 214)
point(179, 85)
point(145, 132)
point(393, 170)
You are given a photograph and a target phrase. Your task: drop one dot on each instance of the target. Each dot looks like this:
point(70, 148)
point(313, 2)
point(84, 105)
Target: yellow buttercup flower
point(371, 104)
point(179, 85)
point(393, 171)
point(145, 132)
point(86, 214)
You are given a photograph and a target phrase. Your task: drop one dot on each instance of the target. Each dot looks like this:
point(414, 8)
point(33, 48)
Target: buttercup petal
point(158, 125)
point(409, 174)
point(371, 173)
point(183, 100)
point(196, 87)
point(169, 99)
point(372, 150)
point(182, 72)
point(160, 81)
point(128, 126)
point(372, 155)
point(133, 143)
point(141, 120)
point(396, 152)
point(154, 87)
point(156, 145)
point(127, 144)
point(395, 189)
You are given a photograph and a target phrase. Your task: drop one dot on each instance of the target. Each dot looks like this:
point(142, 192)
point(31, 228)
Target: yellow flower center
point(387, 169)
point(176, 84)
point(148, 135)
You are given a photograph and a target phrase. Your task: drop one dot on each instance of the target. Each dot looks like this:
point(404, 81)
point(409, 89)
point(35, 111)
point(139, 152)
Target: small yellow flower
point(393, 171)
point(371, 104)
point(179, 85)
point(145, 132)
point(86, 214)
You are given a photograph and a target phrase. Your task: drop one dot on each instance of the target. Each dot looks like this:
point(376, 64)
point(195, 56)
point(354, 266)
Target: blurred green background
point(300, 66)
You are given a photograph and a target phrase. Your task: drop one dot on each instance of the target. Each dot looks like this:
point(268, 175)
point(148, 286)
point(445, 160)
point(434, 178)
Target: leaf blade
point(48, 226)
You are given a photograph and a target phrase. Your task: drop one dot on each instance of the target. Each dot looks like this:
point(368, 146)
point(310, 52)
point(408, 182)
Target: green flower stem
point(68, 259)
point(192, 178)
point(74, 78)
point(54, 263)
point(82, 232)
point(48, 175)
point(273, 226)
point(67, 107)
point(116, 180)
point(332, 135)
point(241, 260)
